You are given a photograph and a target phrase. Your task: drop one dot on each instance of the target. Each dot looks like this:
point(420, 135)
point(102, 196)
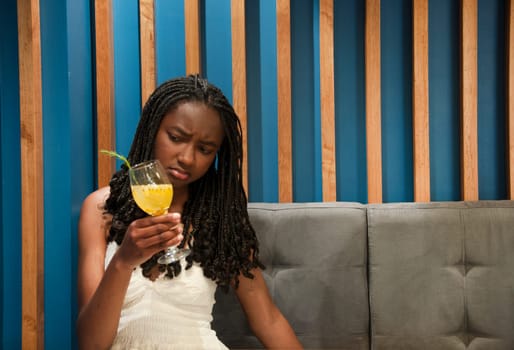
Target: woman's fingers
point(154, 232)
point(147, 236)
point(169, 219)
point(164, 238)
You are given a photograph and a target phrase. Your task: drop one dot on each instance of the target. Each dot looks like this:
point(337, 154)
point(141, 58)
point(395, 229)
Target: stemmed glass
point(153, 192)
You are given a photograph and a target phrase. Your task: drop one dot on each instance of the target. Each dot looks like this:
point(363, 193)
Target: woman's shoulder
point(97, 198)
point(94, 203)
point(92, 213)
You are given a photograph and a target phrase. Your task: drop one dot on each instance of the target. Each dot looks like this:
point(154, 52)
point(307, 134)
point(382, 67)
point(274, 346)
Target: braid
point(222, 241)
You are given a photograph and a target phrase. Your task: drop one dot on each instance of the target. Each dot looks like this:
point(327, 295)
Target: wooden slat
point(104, 89)
point(285, 162)
point(31, 140)
point(420, 102)
point(510, 99)
point(373, 104)
point(147, 48)
point(469, 138)
point(239, 75)
point(192, 24)
point(328, 142)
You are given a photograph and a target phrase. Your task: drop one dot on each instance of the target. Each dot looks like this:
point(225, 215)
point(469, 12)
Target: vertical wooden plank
point(328, 141)
point(420, 102)
point(285, 140)
point(237, 10)
point(192, 20)
point(104, 88)
point(373, 102)
point(147, 47)
point(510, 100)
point(469, 132)
point(31, 174)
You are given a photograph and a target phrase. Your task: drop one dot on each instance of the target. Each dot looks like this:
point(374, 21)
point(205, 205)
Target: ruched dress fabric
point(167, 314)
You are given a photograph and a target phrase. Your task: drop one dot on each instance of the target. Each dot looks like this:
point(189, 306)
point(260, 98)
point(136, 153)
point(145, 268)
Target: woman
point(129, 301)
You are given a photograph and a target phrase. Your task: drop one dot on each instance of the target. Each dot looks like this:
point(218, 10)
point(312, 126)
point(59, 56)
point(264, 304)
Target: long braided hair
point(215, 215)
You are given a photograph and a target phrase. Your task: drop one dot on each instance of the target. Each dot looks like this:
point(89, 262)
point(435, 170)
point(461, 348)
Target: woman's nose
point(187, 155)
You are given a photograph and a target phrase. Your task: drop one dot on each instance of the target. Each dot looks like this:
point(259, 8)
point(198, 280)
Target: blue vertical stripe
point(82, 136)
point(396, 70)
point(303, 104)
point(350, 101)
point(262, 101)
point(217, 44)
point(67, 151)
point(10, 189)
point(170, 45)
point(269, 91)
point(491, 100)
point(318, 183)
point(444, 97)
point(254, 107)
point(57, 173)
point(127, 72)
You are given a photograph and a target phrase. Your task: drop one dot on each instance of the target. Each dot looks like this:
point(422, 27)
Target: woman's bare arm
point(265, 319)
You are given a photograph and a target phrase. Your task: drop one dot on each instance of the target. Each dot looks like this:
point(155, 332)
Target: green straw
point(117, 155)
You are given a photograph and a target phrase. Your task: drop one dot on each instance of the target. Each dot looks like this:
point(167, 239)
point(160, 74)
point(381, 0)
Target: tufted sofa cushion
point(442, 275)
point(316, 258)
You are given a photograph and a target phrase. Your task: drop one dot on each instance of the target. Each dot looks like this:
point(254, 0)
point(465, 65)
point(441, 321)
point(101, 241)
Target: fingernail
point(175, 216)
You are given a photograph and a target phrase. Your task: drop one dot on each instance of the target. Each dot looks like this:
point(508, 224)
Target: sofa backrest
point(385, 276)
point(316, 260)
point(441, 275)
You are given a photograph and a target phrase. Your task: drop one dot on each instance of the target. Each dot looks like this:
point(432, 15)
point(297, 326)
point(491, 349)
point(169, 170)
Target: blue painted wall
point(69, 118)
point(68, 155)
point(10, 189)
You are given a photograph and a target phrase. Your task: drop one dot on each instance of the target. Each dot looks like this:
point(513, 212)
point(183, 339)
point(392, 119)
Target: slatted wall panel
point(510, 99)
point(239, 73)
point(192, 20)
point(326, 79)
point(420, 105)
point(327, 103)
point(147, 48)
point(31, 169)
point(285, 156)
point(469, 100)
point(105, 89)
point(373, 102)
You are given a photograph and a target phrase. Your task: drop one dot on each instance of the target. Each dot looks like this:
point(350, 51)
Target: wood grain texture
point(104, 89)
point(510, 100)
point(285, 141)
point(237, 9)
point(373, 101)
point(147, 47)
point(420, 103)
point(31, 142)
point(192, 24)
point(469, 100)
point(328, 151)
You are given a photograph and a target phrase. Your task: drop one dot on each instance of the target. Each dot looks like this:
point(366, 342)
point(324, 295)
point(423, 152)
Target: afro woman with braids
point(127, 300)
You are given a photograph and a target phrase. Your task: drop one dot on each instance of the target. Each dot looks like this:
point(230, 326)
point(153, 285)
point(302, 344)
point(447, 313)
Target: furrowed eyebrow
point(183, 133)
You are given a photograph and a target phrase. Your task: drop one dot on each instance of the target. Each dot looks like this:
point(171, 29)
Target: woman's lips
point(178, 174)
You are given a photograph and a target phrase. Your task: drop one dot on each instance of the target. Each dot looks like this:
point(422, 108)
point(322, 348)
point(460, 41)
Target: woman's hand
point(147, 236)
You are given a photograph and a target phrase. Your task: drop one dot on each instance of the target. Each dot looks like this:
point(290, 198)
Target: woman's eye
point(205, 150)
point(173, 138)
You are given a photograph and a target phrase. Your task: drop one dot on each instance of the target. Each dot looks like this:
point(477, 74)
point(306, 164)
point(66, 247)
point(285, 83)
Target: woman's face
point(187, 141)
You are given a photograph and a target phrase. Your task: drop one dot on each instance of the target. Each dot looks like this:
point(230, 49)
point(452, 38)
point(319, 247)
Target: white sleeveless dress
point(171, 314)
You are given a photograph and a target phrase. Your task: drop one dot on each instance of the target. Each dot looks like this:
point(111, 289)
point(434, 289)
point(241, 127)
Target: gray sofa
point(387, 276)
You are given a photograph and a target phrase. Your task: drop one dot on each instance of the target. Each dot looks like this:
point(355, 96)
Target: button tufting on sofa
point(385, 276)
